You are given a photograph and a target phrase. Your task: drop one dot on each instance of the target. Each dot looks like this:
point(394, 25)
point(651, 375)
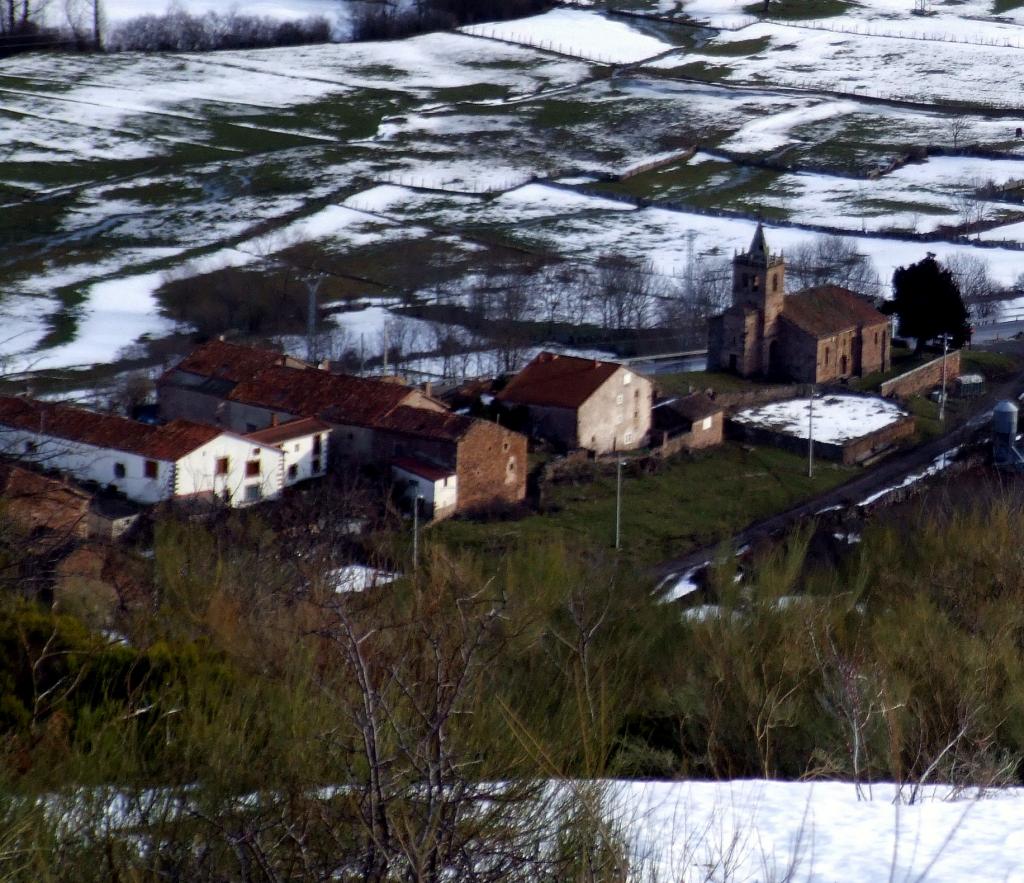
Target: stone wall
point(696, 439)
point(491, 467)
point(851, 452)
point(924, 377)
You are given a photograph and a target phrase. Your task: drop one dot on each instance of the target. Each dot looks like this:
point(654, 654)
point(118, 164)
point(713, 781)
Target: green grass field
point(688, 503)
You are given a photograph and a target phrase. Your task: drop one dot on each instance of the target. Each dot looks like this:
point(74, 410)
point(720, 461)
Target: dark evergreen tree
point(927, 300)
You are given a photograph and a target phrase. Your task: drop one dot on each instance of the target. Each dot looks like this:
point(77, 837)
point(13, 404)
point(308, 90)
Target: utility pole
point(942, 395)
point(810, 434)
point(416, 531)
point(618, 503)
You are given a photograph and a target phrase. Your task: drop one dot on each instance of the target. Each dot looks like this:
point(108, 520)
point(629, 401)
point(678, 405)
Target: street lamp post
point(618, 503)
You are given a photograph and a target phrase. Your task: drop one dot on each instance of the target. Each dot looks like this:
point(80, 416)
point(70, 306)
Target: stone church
point(823, 334)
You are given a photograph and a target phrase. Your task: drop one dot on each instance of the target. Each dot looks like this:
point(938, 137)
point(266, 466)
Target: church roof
point(828, 309)
point(759, 245)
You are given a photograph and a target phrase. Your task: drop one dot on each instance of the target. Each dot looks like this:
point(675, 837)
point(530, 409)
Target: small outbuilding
point(687, 423)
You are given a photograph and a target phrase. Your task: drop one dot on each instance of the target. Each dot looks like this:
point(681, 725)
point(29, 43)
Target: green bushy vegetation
point(260, 726)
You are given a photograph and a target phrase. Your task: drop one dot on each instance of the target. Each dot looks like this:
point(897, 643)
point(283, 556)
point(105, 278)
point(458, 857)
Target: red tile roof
point(828, 309)
point(425, 470)
point(441, 425)
point(557, 381)
point(273, 435)
point(169, 442)
point(313, 393)
point(229, 361)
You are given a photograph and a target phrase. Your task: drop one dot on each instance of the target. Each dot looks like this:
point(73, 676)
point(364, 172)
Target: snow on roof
point(837, 418)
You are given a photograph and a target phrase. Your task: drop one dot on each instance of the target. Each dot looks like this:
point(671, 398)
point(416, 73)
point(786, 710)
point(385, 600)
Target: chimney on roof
point(273, 420)
point(220, 337)
point(428, 388)
point(597, 363)
point(324, 364)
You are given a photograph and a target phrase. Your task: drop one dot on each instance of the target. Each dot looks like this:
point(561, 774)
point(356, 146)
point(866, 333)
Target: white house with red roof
point(437, 487)
point(150, 464)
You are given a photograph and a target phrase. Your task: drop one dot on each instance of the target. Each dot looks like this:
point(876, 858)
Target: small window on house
point(293, 471)
point(253, 492)
point(316, 465)
point(255, 452)
point(628, 437)
point(618, 399)
point(618, 418)
point(876, 338)
point(296, 449)
point(252, 468)
point(706, 424)
point(636, 394)
point(627, 379)
point(317, 444)
point(30, 447)
point(775, 283)
point(511, 464)
point(504, 445)
point(119, 470)
point(223, 466)
point(150, 469)
point(827, 354)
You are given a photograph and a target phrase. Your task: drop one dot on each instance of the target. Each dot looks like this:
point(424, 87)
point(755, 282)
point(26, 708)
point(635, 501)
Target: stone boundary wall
point(923, 377)
point(676, 156)
point(848, 454)
point(748, 398)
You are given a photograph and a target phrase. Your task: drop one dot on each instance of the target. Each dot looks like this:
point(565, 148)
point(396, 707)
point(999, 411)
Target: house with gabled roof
point(371, 421)
point(148, 464)
point(582, 403)
point(819, 335)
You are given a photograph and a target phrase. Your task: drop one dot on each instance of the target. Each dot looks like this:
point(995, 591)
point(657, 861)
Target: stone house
point(823, 334)
point(487, 462)
point(582, 403)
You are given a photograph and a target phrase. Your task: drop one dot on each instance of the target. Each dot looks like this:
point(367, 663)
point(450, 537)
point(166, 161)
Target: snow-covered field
point(579, 33)
point(153, 163)
point(835, 419)
point(819, 832)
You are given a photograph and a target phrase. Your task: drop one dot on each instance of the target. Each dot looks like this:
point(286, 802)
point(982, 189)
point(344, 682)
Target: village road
point(886, 474)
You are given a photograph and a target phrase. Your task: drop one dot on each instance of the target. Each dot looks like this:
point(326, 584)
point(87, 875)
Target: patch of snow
point(675, 587)
point(826, 831)
point(836, 418)
point(359, 578)
point(943, 461)
point(576, 32)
